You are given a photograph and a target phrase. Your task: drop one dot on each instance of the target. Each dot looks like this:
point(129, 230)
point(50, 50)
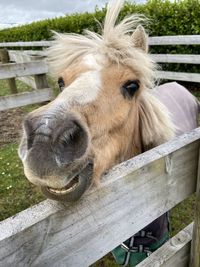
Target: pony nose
point(65, 138)
point(36, 129)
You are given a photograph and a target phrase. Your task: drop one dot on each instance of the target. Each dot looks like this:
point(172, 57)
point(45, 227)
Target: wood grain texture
point(35, 52)
point(4, 57)
point(131, 196)
point(174, 253)
point(175, 40)
point(16, 55)
point(38, 81)
point(27, 44)
point(14, 70)
point(195, 251)
point(41, 81)
point(25, 56)
point(167, 58)
point(27, 98)
point(160, 40)
point(179, 76)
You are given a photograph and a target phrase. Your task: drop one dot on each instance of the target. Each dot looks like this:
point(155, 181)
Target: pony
point(109, 108)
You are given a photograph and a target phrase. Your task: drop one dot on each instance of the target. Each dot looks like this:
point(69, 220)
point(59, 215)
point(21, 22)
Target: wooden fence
point(23, 67)
point(177, 58)
point(131, 195)
point(30, 67)
point(153, 41)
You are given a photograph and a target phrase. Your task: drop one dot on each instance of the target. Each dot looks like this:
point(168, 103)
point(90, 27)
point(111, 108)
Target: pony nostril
point(71, 135)
point(70, 142)
point(28, 128)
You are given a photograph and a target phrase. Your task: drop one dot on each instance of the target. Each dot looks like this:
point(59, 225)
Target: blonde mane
point(115, 43)
point(155, 121)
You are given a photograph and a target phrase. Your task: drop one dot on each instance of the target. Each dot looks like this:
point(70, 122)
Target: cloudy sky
point(23, 11)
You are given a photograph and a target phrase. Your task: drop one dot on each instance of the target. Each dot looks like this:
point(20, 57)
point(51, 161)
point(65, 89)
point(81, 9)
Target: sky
point(13, 12)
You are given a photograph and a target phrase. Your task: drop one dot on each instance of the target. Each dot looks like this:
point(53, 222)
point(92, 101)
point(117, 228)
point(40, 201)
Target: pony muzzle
point(55, 156)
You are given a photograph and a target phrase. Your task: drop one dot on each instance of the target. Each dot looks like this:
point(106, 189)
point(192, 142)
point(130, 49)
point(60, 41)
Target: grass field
point(18, 194)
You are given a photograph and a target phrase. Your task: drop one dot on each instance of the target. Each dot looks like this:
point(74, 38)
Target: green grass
point(21, 87)
point(16, 191)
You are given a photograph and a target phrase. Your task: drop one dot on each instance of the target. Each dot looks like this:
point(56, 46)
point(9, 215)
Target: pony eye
point(129, 88)
point(61, 83)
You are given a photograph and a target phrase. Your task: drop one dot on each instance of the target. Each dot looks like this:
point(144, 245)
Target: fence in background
point(24, 66)
point(30, 67)
point(153, 41)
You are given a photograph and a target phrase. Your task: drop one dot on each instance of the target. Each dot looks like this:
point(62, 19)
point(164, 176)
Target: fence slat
point(154, 40)
point(175, 40)
point(27, 44)
point(14, 70)
point(132, 195)
point(174, 252)
point(27, 98)
point(4, 57)
point(38, 81)
point(19, 56)
point(167, 58)
point(178, 76)
point(195, 251)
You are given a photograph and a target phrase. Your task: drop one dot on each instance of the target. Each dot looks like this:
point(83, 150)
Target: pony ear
point(140, 38)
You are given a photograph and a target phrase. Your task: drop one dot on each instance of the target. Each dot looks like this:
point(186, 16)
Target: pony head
point(104, 114)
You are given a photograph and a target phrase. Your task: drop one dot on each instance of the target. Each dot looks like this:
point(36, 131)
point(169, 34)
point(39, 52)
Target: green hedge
point(181, 17)
point(166, 18)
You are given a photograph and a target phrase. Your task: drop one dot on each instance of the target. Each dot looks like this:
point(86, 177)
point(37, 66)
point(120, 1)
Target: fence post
point(195, 248)
point(5, 59)
point(41, 81)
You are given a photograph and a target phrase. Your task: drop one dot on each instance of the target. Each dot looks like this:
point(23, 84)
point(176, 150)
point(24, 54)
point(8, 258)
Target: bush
point(166, 18)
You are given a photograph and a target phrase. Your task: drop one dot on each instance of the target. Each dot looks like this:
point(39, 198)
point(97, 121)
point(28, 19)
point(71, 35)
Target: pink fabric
point(183, 106)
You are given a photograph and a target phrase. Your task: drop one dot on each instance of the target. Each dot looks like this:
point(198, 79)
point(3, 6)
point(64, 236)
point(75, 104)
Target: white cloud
point(11, 15)
point(25, 11)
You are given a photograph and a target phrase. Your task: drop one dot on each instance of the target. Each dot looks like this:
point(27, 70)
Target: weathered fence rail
point(12, 70)
point(52, 234)
point(27, 98)
point(153, 41)
point(175, 40)
point(26, 44)
point(157, 40)
point(30, 69)
point(174, 253)
point(29, 56)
